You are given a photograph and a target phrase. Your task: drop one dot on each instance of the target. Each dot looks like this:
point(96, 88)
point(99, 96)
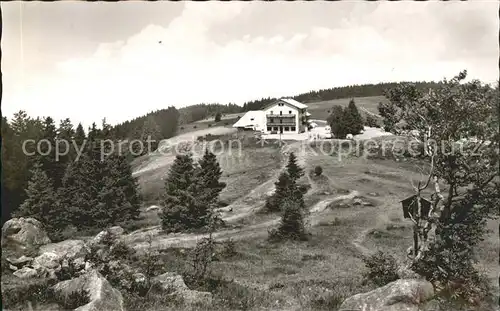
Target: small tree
point(292, 222)
point(218, 117)
point(353, 119)
point(462, 119)
point(337, 122)
point(179, 201)
point(293, 169)
point(286, 189)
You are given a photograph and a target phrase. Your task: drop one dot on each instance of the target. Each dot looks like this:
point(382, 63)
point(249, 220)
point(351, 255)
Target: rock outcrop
point(400, 295)
point(173, 284)
point(103, 297)
point(68, 249)
point(23, 236)
point(111, 233)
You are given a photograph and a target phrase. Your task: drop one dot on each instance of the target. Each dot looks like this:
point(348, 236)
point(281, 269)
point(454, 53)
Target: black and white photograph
point(250, 155)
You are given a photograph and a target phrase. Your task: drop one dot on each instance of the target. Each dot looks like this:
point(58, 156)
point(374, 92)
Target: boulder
point(26, 273)
point(400, 295)
point(19, 262)
point(173, 284)
point(23, 236)
point(69, 249)
point(102, 295)
point(47, 260)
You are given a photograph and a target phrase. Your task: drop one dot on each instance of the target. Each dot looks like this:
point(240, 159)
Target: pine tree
point(293, 169)
point(353, 119)
point(180, 203)
point(41, 202)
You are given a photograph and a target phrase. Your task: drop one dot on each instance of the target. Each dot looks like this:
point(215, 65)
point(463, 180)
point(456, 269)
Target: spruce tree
point(120, 193)
point(47, 156)
point(66, 134)
point(293, 169)
point(353, 119)
point(292, 221)
point(150, 131)
point(180, 203)
point(337, 122)
point(79, 191)
point(285, 189)
point(208, 176)
point(80, 135)
point(41, 202)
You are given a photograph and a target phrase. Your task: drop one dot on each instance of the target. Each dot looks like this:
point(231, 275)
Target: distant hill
point(365, 90)
point(165, 123)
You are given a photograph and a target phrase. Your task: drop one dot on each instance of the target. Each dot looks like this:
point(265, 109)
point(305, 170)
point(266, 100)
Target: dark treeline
point(202, 111)
point(67, 188)
point(364, 90)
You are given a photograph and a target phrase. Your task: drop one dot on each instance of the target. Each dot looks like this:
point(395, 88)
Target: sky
point(90, 60)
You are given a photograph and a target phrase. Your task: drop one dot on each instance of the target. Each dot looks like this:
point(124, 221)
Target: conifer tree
point(80, 135)
point(79, 191)
point(293, 169)
point(150, 131)
point(337, 122)
point(180, 204)
point(353, 119)
point(66, 133)
point(286, 189)
point(292, 221)
point(208, 176)
point(41, 202)
point(120, 193)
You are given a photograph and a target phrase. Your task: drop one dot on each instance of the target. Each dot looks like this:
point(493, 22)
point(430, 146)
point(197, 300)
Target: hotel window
point(269, 129)
point(289, 112)
point(275, 128)
point(293, 128)
point(287, 128)
point(281, 113)
point(271, 112)
point(272, 120)
point(281, 120)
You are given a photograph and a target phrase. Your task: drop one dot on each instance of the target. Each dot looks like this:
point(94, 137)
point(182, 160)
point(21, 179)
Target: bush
point(382, 268)
point(228, 248)
point(218, 117)
point(318, 170)
point(209, 125)
point(195, 127)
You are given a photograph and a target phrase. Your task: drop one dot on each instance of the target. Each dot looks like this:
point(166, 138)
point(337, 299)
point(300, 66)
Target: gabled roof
point(251, 118)
point(294, 103)
point(290, 101)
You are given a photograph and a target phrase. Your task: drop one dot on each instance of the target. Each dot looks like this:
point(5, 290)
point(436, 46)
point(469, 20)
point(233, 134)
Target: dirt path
point(138, 239)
